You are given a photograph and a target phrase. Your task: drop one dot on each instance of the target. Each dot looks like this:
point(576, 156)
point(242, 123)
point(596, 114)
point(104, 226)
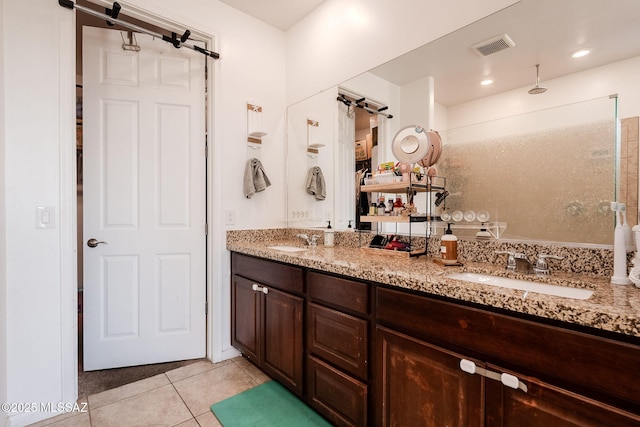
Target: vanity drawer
point(340, 398)
point(345, 294)
point(271, 273)
point(338, 338)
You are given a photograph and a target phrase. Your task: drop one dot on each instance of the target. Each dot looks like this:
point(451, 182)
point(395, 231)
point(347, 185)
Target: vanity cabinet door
point(546, 405)
point(245, 318)
point(419, 384)
point(283, 345)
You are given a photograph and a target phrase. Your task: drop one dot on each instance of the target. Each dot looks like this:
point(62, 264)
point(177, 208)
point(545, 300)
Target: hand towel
point(255, 179)
point(315, 183)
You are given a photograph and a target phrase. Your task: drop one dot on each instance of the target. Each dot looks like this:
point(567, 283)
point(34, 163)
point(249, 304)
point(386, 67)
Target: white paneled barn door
point(144, 192)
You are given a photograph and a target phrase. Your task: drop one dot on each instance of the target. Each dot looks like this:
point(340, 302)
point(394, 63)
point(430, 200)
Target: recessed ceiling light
point(486, 82)
point(580, 53)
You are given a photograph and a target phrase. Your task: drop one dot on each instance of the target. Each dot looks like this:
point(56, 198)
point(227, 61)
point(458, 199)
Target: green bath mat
point(268, 404)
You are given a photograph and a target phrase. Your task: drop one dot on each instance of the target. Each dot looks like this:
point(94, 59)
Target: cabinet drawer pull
point(259, 288)
point(509, 380)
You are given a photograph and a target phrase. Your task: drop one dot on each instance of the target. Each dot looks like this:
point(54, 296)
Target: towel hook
point(132, 44)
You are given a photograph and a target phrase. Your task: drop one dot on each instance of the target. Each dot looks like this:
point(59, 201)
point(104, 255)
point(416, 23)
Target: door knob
point(92, 243)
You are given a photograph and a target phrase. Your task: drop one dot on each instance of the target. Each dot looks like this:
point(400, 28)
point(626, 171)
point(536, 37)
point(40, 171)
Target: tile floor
point(181, 397)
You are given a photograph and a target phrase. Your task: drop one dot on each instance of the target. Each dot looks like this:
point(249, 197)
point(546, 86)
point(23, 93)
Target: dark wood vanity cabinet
point(320, 350)
point(572, 378)
point(267, 317)
point(338, 326)
point(364, 354)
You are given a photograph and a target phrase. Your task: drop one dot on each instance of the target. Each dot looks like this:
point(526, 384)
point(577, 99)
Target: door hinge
point(206, 229)
point(206, 308)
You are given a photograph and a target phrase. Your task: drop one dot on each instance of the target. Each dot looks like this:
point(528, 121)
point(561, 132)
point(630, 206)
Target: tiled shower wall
point(630, 135)
point(552, 184)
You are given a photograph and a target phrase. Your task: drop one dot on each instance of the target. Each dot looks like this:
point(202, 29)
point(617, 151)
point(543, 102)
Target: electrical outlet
point(230, 217)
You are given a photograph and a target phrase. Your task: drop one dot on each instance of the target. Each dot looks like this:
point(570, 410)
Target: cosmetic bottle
point(381, 207)
point(449, 247)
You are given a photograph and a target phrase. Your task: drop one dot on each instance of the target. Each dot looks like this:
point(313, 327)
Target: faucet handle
point(511, 259)
point(541, 267)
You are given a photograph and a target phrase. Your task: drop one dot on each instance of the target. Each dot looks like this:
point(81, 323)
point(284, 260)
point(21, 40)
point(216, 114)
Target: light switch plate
point(45, 217)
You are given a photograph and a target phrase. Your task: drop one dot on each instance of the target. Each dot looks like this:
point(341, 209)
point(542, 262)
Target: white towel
point(255, 179)
point(315, 183)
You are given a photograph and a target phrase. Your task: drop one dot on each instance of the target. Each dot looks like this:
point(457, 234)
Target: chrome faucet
point(523, 264)
point(542, 268)
point(311, 241)
point(517, 261)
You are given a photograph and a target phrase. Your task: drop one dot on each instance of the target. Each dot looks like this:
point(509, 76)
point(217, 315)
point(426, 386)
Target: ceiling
point(544, 32)
point(281, 14)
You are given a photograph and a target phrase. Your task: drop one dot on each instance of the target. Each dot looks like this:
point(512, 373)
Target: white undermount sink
point(523, 285)
point(286, 248)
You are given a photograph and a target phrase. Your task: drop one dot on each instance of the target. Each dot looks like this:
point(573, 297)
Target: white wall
point(343, 38)
point(3, 238)
point(34, 128)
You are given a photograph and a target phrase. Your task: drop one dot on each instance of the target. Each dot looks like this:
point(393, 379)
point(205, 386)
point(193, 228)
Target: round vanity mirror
point(410, 145)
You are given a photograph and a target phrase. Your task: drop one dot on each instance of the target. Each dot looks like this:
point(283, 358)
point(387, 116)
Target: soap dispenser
point(350, 227)
point(449, 247)
point(328, 235)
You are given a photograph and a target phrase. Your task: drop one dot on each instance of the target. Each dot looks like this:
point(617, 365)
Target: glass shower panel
point(549, 175)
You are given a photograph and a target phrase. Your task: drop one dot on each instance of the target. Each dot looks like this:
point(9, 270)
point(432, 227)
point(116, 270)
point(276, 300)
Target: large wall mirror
point(544, 166)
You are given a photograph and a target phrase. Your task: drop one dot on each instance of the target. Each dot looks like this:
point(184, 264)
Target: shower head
point(537, 88)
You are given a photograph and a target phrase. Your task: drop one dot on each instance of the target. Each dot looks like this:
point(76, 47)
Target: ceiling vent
point(493, 45)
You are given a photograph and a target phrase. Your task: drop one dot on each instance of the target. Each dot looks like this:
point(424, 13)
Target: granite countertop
point(614, 308)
